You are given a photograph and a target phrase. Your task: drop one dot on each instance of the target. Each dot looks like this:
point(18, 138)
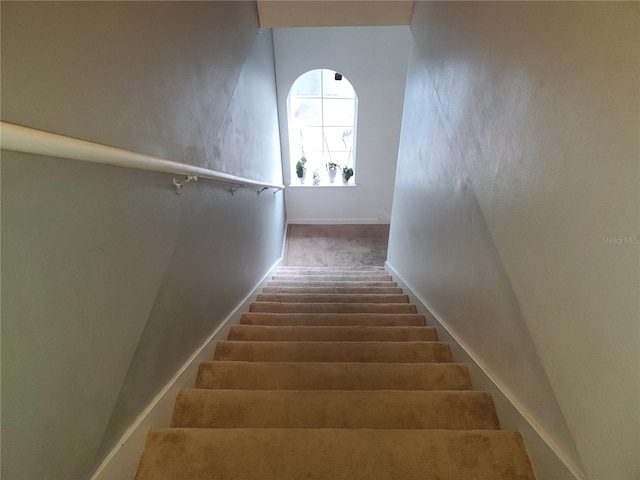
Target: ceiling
point(334, 13)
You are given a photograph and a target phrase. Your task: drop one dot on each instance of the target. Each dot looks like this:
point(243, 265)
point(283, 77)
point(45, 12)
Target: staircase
point(333, 375)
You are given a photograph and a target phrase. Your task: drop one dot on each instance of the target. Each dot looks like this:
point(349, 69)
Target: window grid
point(325, 147)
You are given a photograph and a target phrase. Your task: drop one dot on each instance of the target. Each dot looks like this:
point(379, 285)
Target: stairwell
point(333, 375)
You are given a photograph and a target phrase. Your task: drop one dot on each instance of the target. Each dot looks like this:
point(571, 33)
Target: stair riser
point(334, 283)
point(333, 454)
point(370, 352)
point(329, 271)
point(335, 290)
point(335, 271)
point(330, 298)
point(334, 409)
point(353, 268)
point(331, 334)
point(272, 307)
point(331, 278)
point(332, 376)
point(327, 319)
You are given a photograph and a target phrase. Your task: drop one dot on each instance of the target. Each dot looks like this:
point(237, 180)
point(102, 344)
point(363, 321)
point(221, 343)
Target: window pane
point(336, 88)
point(312, 139)
point(338, 113)
point(307, 84)
point(309, 141)
point(304, 140)
point(306, 111)
point(341, 158)
point(338, 139)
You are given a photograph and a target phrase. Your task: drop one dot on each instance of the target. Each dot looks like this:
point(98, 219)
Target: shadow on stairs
point(333, 375)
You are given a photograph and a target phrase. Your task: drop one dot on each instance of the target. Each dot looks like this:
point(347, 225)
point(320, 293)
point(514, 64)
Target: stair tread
point(333, 298)
point(337, 289)
point(375, 277)
point(377, 352)
point(332, 376)
point(331, 333)
point(334, 454)
point(329, 268)
point(333, 283)
point(332, 267)
point(333, 319)
point(292, 307)
point(199, 408)
point(329, 273)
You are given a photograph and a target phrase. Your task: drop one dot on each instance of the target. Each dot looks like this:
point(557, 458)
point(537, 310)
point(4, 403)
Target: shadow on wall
point(110, 280)
point(504, 194)
point(445, 252)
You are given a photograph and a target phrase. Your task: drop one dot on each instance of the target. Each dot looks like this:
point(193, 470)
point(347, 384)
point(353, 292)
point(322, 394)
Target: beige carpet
point(336, 245)
point(333, 375)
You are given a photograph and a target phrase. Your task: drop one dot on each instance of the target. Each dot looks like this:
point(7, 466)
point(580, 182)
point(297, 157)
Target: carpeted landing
point(336, 245)
point(333, 375)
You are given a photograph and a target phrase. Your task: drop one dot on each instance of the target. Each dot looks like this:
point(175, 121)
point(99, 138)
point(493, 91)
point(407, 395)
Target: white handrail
point(28, 140)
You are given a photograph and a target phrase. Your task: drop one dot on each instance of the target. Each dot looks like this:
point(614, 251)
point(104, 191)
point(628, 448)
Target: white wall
point(374, 59)
point(519, 153)
point(110, 280)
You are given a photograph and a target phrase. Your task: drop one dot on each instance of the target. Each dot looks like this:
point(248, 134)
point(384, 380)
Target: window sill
point(322, 185)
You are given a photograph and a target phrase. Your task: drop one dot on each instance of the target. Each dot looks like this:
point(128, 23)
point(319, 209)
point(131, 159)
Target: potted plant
point(347, 173)
point(332, 168)
point(300, 169)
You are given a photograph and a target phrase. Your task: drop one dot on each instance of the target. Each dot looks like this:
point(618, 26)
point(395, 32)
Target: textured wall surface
point(517, 176)
point(110, 280)
point(374, 59)
point(156, 77)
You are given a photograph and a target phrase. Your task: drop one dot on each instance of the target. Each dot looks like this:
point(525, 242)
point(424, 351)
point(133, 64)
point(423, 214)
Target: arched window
point(322, 115)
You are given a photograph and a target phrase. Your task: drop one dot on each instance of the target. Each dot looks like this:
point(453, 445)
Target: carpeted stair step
point(336, 270)
point(334, 290)
point(274, 307)
point(333, 454)
point(333, 278)
point(257, 333)
point(334, 283)
point(331, 298)
point(374, 352)
point(330, 271)
point(354, 268)
point(333, 319)
point(455, 410)
point(332, 376)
